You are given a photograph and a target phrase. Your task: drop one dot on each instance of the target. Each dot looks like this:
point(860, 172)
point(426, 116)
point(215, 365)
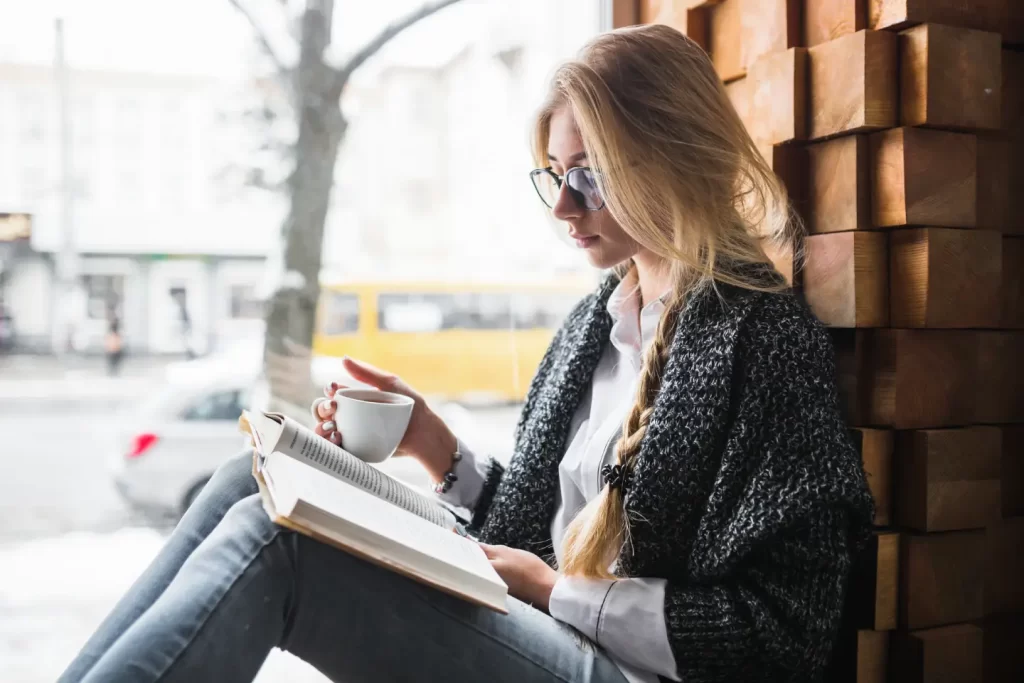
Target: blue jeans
point(229, 585)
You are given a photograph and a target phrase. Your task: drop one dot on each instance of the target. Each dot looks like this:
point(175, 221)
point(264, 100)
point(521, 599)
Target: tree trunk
point(292, 308)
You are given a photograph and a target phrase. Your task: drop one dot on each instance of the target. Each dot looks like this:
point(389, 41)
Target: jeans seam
point(494, 639)
point(206, 618)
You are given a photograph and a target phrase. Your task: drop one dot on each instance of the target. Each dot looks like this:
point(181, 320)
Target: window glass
point(224, 405)
point(430, 312)
point(340, 313)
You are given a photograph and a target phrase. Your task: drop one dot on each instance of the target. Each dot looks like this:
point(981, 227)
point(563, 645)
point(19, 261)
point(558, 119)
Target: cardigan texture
point(748, 496)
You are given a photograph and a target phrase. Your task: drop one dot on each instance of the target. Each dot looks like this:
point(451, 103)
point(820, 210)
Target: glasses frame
point(576, 195)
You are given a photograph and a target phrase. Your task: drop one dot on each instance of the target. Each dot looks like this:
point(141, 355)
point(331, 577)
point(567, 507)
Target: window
point(224, 405)
point(244, 303)
point(541, 311)
point(340, 313)
point(414, 312)
point(102, 292)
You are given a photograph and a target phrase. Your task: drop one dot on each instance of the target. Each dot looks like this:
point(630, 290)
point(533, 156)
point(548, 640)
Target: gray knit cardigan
point(748, 496)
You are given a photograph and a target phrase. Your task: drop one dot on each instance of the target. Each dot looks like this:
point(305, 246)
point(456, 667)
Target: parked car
point(169, 446)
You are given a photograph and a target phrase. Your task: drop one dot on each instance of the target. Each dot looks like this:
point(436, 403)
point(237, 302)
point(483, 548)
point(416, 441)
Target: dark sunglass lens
point(546, 186)
point(584, 186)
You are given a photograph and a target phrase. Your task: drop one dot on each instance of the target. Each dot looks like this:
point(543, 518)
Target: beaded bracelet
point(449, 478)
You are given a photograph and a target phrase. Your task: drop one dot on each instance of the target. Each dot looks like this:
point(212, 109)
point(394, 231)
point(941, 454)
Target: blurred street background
point(205, 205)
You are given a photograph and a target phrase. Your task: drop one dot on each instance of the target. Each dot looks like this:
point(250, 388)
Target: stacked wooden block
point(898, 128)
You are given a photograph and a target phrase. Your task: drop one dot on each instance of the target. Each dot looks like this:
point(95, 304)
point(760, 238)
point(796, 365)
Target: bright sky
point(203, 36)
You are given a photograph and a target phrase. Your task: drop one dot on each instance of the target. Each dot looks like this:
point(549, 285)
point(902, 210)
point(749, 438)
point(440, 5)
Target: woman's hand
point(427, 439)
point(528, 577)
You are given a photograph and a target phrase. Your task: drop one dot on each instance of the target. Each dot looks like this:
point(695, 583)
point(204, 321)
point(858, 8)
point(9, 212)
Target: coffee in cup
point(371, 422)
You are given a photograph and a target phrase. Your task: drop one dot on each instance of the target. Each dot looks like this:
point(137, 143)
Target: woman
point(680, 457)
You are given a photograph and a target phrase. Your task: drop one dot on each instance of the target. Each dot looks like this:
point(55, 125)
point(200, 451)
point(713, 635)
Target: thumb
point(368, 374)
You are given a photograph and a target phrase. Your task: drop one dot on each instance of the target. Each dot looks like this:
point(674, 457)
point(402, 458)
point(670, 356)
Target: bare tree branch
point(261, 34)
point(381, 39)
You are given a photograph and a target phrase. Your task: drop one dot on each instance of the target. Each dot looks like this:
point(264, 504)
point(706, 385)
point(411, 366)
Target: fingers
point(368, 374)
point(326, 408)
point(489, 551)
point(329, 430)
point(333, 388)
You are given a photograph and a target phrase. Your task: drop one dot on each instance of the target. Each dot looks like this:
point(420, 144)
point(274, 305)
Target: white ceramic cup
point(371, 422)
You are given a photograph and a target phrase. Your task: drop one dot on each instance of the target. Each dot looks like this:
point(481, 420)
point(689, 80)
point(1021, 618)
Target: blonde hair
point(681, 175)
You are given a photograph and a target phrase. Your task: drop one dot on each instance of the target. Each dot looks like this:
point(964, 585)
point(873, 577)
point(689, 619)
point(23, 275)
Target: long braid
point(597, 533)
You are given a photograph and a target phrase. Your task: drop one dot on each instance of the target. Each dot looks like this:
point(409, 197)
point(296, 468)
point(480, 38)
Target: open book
point(321, 490)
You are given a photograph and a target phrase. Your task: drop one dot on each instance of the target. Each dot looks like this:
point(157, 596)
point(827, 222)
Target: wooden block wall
point(897, 126)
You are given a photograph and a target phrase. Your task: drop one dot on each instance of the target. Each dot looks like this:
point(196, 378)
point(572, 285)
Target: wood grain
point(1000, 16)
point(627, 12)
point(825, 21)
point(845, 280)
point(860, 656)
point(680, 15)
point(725, 44)
point(876, 451)
point(853, 84)
point(779, 107)
point(790, 165)
point(1002, 638)
point(940, 277)
point(998, 390)
point(768, 26)
point(838, 198)
point(873, 602)
point(915, 379)
point(993, 182)
point(1013, 283)
point(941, 578)
point(947, 479)
point(950, 77)
point(1013, 128)
point(923, 177)
point(1011, 471)
point(1004, 567)
point(948, 653)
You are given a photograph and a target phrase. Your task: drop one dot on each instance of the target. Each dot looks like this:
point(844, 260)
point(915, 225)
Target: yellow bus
point(467, 342)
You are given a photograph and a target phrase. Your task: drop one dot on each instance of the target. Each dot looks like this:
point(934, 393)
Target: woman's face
point(606, 244)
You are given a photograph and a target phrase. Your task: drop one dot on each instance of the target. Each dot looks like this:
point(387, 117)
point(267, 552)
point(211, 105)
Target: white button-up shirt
point(626, 617)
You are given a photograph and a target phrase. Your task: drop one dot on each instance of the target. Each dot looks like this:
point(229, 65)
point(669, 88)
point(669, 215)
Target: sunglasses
point(581, 181)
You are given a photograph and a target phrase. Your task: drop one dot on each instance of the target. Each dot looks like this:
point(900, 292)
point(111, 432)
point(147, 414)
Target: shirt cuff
point(626, 617)
point(470, 475)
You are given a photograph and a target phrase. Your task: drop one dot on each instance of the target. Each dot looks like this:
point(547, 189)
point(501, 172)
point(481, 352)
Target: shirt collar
point(633, 328)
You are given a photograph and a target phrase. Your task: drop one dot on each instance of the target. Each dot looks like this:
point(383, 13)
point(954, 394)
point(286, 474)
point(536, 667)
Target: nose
point(566, 206)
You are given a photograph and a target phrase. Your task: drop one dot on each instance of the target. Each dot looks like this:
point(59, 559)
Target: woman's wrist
point(440, 458)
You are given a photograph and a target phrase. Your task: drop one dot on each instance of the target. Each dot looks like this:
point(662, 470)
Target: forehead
point(563, 137)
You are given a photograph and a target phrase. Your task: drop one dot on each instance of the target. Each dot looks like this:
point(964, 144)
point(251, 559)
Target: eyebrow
point(573, 159)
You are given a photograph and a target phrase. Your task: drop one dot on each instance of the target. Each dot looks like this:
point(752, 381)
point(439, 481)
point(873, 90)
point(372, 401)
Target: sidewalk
point(37, 378)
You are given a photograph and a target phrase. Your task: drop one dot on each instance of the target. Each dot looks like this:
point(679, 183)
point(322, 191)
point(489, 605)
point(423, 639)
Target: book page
point(305, 445)
point(359, 509)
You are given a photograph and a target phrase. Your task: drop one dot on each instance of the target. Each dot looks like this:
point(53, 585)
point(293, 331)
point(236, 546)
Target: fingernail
point(328, 426)
point(336, 438)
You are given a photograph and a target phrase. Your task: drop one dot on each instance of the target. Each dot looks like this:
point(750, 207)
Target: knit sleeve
point(774, 621)
point(789, 510)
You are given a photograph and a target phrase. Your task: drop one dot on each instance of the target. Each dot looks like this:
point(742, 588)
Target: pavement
point(26, 381)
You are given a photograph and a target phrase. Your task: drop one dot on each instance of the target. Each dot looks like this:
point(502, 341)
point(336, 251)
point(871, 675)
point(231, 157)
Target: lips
point(583, 241)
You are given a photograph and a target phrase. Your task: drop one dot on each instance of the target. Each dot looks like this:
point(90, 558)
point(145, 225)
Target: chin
point(602, 260)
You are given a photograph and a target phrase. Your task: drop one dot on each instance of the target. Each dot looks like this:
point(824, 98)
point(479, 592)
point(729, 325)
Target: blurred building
point(156, 237)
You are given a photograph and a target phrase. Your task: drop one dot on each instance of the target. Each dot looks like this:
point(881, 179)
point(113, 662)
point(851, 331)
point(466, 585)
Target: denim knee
point(232, 482)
